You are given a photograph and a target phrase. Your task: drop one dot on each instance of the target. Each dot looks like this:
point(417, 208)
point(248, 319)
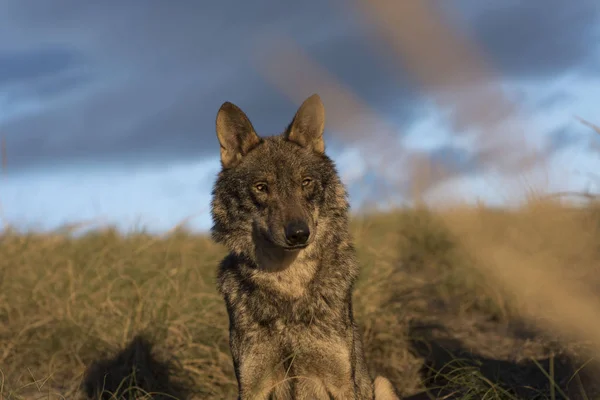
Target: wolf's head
point(275, 193)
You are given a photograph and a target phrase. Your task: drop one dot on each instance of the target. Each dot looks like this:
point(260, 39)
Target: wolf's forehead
point(276, 155)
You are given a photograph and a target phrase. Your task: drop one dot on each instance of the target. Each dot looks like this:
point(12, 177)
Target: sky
point(108, 108)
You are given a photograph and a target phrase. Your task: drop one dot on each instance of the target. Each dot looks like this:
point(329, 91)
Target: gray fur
point(292, 332)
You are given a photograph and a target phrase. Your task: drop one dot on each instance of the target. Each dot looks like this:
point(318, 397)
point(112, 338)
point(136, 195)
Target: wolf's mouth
point(266, 237)
point(296, 247)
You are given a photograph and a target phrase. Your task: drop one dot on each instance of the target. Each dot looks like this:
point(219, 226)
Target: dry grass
point(434, 314)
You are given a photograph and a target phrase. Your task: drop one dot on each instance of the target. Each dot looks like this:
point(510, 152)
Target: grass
point(443, 300)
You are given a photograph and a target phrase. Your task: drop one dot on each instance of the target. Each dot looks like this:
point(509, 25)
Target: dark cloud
point(554, 99)
point(34, 64)
point(564, 137)
point(142, 80)
point(532, 39)
point(160, 72)
point(455, 159)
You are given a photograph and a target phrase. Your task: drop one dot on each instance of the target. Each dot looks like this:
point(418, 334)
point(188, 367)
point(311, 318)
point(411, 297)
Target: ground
point(449, 304)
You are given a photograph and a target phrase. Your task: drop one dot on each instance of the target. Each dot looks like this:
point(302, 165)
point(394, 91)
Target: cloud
point(570, 169)
point(532, 40)
point(140, 82)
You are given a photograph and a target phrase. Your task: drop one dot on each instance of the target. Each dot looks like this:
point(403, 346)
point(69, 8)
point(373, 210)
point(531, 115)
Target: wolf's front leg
point(259, 369)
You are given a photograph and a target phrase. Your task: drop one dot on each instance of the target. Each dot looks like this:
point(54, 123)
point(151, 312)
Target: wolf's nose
point(296, 233)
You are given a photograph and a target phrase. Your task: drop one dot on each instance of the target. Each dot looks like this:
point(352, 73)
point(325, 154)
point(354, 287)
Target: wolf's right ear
point(235, 133)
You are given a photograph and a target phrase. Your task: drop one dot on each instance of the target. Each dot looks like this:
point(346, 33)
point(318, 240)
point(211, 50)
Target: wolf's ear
point(308, 125)
point(235, 133)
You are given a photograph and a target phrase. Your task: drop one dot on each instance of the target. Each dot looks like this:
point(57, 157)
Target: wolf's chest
point(291, 283)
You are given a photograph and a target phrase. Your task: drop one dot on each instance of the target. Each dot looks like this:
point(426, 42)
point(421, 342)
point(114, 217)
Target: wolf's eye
point(306, 182)
point(260, 187)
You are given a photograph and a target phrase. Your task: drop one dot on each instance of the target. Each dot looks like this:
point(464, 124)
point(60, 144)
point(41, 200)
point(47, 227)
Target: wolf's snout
point(296, 233)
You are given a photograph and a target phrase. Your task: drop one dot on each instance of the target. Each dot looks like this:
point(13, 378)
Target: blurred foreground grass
point(432, 318)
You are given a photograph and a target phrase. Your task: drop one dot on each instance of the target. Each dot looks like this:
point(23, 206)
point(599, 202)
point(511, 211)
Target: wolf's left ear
point(235, 133)
point(308, 125)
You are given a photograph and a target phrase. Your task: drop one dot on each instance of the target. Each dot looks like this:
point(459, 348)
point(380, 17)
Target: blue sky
point(108, 108)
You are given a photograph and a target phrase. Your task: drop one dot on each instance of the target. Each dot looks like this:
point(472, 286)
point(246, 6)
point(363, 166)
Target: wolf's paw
point(384, 390)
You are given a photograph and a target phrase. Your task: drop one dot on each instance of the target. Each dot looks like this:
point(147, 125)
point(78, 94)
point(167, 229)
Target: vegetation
point(445, 300)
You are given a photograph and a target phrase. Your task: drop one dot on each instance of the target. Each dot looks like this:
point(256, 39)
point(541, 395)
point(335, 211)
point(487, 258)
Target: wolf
point(279, 207)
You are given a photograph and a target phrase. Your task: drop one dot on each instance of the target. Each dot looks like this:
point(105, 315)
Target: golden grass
point(66, 301)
